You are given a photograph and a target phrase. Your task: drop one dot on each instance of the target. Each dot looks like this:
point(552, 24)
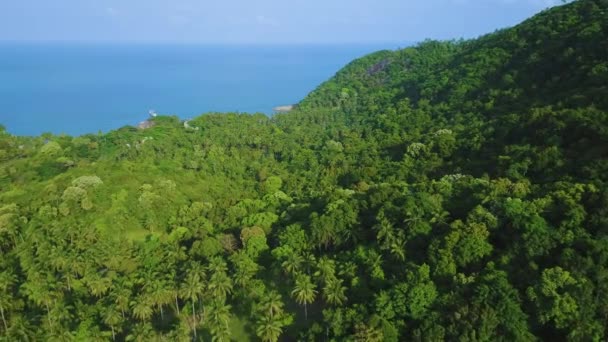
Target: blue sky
point(259, 21)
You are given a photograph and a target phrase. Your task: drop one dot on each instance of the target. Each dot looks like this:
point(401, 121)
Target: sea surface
point(87, 88)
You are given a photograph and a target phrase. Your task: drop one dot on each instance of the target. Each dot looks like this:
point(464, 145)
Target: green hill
point(447, 191)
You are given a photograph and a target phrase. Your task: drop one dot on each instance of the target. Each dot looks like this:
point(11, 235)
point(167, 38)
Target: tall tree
point(142, 308)
point(304, 292)
point(219, 317)
point(192, 289)
point(220, 285)
point(112, 318)
point(272, 304)
point(268, 329)
point(7, 279)
point(333, 292)
point(293, 263)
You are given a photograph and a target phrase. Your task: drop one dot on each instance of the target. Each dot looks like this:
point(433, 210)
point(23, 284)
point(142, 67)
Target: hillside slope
point(449, 191)
point(538, 86)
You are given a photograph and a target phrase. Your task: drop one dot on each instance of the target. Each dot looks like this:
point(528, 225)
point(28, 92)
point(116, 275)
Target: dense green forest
point(447, 191)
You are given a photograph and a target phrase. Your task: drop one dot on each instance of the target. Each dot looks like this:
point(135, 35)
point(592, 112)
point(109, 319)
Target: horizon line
point(227, 43)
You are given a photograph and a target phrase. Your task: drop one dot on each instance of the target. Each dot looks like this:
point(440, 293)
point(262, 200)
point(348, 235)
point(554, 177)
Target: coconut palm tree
point(293, 263)
point(5, 303)
point(20, 329)
point(271, 304)
point(9, 227)
point(368, 333)
point(308, 260)
point(333, 292)
point(142, 308)
point(98, 285)
point(326, 269)
point(174, 293)
point(121, 294)
point(141, 332)
point(217, 264)
point(41, 292)
point(61, 335)
point(7, 280)
point(219, 316)
point(220, 285)
point(192, 289)
point(268, 329)
point(304, 292)
point(61, 314)
point(112, 318)
point(245, 269)
point(161, 295)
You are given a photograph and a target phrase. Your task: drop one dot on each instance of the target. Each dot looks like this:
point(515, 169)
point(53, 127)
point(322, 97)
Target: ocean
point(87, 88)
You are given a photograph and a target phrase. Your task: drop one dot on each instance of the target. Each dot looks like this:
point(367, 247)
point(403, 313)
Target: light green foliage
point(254, 241)
point(272, 184)
point(51, 149)
point(553, 297)
point(264, 220)
point(87, 182)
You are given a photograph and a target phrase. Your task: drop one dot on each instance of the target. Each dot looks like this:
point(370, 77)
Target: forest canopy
point(446, 191)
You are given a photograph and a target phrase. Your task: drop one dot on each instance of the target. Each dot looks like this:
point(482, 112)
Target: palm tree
point(20, 329)
point(41, 292)
point(220, 285)
point(326, 269)
point(220, 334)
point(9, 227)
point(390, 239)
point(112, 318)
point(5, 302)
point(142, 308)
point(324, 235)
point(174, 293)
point(6, 283)
point(271, 304)
point(193, 289)
point(121, 295)
point(161, 295)
point(334, 292)
point(397, 247)
point(219, 316)
point(217, 265)
point(348, 269)
point(269, 329)
point(304, 292)
point(293, 263)
point(309, 260)
point(98, 285)
point(367, 333)
point(245, 269)
point(61, 335)
point(141, 332)
point(61, 313)
point(384, 229)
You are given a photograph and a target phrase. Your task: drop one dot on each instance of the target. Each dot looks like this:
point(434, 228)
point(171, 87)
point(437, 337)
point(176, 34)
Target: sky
point(259, 21)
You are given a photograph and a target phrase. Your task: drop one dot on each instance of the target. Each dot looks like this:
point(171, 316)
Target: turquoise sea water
point(85, 88)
